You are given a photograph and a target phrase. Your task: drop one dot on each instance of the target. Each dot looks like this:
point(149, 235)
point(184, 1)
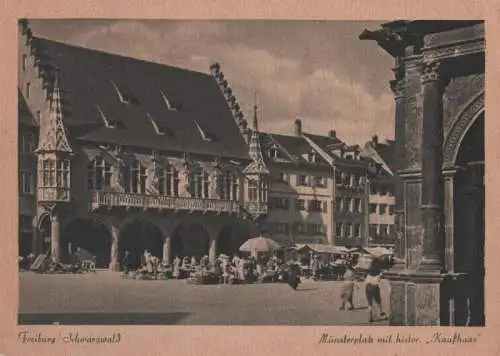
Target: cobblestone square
point(106, 299)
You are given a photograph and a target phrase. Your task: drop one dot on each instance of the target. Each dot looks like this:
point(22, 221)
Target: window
point(338, 177)
point(168, 181)
point(199, 183)
point(373, 208)
point(383, 209)
point(349, 230)
point(357, 230)
point(354, 180)
point(299, 228)
point(98, 174)
point(63, 173)
point(357, 206)
point(252, 190)
point(281, 177)
point(384, 230)
point(27, 183)
point(227, 185)
point(338, 204)
point(55, 173)
point(373, 189)
point(302, 180)
point(346, 179)
point(136, 179)
point(300, 205)
point(314, 206)
point(28, 142)
point(325, 207)
point(338, 229)
point(350, 204)
point(23, 63)
point(373, 230)
point(383, 189)
point(315, 229)
point(319, 182)
point(28, 87)
point(391, 209)
point(279, 203)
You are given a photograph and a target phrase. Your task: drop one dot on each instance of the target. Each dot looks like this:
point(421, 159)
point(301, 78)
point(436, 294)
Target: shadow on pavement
point(100, 318)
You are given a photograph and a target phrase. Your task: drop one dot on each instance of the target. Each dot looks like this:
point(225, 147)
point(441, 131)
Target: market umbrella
point(259, 244)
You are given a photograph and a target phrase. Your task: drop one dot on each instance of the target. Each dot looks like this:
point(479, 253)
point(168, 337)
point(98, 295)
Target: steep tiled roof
point(24, 113)
point(186, 105)
point(387, 151)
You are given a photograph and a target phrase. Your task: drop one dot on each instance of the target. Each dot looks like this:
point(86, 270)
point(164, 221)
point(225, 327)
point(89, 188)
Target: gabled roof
point(94, 86)
point(381, 153)
point(296, 147)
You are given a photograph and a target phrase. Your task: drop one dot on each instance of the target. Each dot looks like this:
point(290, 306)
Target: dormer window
point(108, 123)
point(159, 129)
point(125, 96)
point(170, 102)
point(273, 153)
point(207, 136)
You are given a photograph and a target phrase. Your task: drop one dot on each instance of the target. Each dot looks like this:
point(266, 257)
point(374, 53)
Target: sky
point(318, 71)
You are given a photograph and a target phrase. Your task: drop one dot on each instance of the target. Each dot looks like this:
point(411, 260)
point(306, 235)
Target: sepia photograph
point(250, 172)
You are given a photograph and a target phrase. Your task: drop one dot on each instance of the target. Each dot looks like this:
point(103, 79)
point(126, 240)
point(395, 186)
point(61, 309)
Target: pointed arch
point(459, 128)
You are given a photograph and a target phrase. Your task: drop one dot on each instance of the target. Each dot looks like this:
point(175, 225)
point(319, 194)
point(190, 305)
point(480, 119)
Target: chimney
point(375, 141)
point(298, 127)
point(215, 69)
point(332, 134)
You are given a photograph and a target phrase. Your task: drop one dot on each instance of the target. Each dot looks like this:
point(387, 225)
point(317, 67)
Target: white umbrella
point(259, 244)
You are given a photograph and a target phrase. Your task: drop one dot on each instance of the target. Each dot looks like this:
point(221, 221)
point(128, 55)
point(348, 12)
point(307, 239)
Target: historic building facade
point(120, 154)
point(381, 198)
point(439, 93)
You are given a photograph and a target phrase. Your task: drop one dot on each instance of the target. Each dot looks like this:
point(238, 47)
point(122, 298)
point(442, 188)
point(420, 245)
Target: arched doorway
point(230, 239)
point(190, 239)
point(138, 236)
point(469, 226)
point(44, 234)
point(90, 235)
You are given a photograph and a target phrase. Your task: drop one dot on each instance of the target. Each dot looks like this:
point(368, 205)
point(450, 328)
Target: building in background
point(381, 198)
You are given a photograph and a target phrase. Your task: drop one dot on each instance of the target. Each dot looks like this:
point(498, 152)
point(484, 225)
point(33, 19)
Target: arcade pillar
point(114, 265)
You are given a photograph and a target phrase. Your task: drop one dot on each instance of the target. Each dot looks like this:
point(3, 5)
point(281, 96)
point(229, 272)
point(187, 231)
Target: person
point(314, 267)
point(176, 273)
point(125, 262)
point(193, 262)
point(347, 293)
point(372, 290)
point(293, 275)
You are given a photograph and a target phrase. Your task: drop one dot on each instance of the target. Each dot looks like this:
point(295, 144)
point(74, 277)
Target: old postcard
point(208, 185)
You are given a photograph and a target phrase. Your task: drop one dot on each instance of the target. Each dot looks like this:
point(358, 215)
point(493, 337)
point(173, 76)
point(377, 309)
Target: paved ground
point(105, 298)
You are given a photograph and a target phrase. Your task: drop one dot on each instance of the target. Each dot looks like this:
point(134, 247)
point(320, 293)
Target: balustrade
point(132, 200)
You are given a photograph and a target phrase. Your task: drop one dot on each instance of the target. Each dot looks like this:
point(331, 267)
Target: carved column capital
point(431, 72)
point(397, 87)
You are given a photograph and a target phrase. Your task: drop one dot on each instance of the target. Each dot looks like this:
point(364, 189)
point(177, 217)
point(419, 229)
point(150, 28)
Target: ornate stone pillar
point(397, 87)
point(166, 249)
point(114, 265)
point(432, 190)
point(55, 247)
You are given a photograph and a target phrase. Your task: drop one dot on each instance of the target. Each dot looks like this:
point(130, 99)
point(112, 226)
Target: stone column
point(166, 249)
point(398, 88)
point(34, 237)
point(432, 137)
point(114, 265)
point(212, 249)
point(55, 247)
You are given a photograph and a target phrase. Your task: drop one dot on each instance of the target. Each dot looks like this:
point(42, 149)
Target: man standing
point(372, 289)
